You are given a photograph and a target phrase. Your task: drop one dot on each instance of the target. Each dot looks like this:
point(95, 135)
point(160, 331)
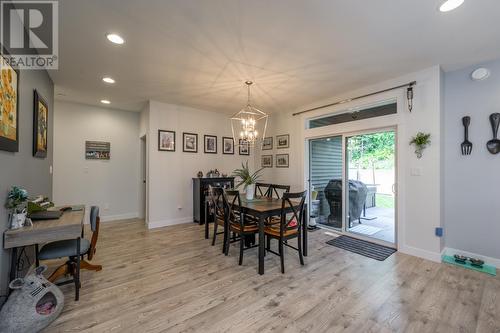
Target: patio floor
point(384, 220)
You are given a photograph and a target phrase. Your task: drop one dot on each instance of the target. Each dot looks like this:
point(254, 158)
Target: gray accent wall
point(22, 168)
point(472, 183)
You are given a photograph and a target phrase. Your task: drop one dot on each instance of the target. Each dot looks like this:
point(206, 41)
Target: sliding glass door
point(325, 181)
point(365, 208)
point(370, 169)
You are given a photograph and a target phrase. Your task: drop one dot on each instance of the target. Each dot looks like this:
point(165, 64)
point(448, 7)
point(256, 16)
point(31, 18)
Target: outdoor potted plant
point(17, 199)
point(248, 179)
point(420, 141)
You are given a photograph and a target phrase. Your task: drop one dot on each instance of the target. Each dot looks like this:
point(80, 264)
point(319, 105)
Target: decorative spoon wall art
point(466, 145)
point(494, 144)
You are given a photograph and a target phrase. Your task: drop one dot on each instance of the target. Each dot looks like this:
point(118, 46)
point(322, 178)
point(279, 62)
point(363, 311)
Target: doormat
point(364, 248)
point(488, 269)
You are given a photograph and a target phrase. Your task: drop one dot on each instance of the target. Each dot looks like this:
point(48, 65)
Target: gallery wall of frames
point(281, 160)
point(190, 143)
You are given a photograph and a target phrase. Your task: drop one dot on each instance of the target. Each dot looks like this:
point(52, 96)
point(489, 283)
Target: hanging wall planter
point(420, 141)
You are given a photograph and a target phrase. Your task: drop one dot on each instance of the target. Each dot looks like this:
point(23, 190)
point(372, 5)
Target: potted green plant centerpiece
point(17, 199)
point(248, 179)
point(420, 141)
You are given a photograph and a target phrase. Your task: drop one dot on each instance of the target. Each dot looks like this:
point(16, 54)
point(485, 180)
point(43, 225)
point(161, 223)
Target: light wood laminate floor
point(172, 280)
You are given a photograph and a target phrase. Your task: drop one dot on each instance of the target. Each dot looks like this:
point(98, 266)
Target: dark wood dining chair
point(67, 248)
point(277, 191)
point(237, 224)
point(290, 226)
point(263, 189)
point(217, 210)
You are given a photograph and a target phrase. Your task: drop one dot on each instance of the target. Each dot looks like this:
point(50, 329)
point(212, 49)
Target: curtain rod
point(409, 85)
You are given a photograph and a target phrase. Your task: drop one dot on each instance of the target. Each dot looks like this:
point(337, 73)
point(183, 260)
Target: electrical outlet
point(106, 206)
point(50, 169)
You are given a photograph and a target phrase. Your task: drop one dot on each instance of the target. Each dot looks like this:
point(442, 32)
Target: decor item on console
point(213, 174)
point(199, 174)
point(33, 305)
point(16, 203)
point(247, 179)
point(421, 141)
point(494, 144)
point(466, 146)
point(249, 124)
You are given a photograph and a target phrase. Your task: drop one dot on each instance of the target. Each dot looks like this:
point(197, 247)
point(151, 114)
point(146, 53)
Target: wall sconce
point(409, 96)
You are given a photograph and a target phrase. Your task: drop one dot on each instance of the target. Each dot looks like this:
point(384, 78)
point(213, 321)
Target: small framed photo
point(267, 144)
point(166, 140)
point(40, 126)
point(244, 147)
point(227, 145)
point(283, 141)
point(189, 142)
point(210, 144)
point(282, 161)
point(267, 161)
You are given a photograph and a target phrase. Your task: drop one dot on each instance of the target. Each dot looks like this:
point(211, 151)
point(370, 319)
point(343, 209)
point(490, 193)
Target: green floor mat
point(488, 269)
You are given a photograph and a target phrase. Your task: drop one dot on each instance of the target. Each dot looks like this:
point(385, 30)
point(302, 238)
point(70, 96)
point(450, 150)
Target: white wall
point(112, 185)
point(472, 183)
point(419, 201)
point(170, 186)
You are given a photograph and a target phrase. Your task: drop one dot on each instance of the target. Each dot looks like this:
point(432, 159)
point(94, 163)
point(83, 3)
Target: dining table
point(264, 207)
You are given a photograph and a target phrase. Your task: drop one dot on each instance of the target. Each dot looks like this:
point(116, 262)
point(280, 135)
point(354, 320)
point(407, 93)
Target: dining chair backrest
point(95, 220)
point(294, 219)
point(232, 202)
point(277, 191)
point(263, 189)
point(216, 196)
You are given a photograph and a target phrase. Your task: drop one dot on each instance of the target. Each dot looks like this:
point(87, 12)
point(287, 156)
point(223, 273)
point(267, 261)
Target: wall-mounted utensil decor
point(494, 144)
point(466, 145)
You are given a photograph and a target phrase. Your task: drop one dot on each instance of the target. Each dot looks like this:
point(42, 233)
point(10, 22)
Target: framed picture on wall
point(189, 142)
point(244, 147)
point(40, 126)
point(227, 145)
point(166, 140)
point(282, 161)
point(267, 144)
point(9, 107)
point(267, 161)
point(210, 144)
point(283, 141)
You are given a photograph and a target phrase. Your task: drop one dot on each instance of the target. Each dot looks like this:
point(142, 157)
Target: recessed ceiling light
point(449, 5)
point(480, 74)
point(105, 101)
point(114, 38)
point(108, 79)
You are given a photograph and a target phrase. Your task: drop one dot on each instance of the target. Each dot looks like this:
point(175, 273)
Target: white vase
point(17, 220)
point(250, 194)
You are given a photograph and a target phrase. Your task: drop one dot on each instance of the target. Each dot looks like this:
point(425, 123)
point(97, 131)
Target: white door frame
point(344, 135)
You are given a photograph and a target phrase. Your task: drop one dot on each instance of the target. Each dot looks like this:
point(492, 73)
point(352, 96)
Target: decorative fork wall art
point(466, 146)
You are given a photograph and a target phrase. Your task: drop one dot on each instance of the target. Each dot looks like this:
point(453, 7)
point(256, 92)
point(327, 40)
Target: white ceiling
point(198, 53)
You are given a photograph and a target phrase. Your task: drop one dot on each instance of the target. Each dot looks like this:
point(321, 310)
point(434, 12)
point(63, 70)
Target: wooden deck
point(172, 280)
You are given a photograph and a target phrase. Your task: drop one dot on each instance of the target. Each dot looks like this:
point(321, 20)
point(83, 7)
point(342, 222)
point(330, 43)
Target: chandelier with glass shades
point(249, 124)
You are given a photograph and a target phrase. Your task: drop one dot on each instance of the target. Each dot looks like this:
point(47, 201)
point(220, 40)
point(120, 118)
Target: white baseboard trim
point(416, 252)
point(166, 223)
point(489, 260)
point(127, 216)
